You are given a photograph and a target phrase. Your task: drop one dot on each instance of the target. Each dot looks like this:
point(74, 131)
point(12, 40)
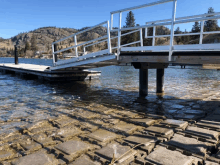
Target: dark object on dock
point(16, 55)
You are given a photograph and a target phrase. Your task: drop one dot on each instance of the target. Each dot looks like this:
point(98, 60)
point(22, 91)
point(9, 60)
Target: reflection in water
point(24, 101)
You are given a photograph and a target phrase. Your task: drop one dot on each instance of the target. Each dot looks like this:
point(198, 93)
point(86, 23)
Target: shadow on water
point(172, 107)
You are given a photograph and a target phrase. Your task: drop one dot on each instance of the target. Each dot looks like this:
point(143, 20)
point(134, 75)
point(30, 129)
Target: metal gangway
point(111, 55)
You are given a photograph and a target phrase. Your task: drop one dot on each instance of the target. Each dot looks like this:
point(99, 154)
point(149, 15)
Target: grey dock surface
point(43, 72)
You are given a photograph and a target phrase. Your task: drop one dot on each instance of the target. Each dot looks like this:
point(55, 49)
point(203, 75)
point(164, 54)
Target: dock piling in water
point(160, 80)
point(143, 82)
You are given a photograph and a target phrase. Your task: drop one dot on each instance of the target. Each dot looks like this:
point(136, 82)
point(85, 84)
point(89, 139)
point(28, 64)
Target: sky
point(18, 16)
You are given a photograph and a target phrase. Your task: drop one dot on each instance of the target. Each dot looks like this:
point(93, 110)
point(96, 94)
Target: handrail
point(141, 6)
point(168, 23)
point(186, 17)
point(129, 33)
point(131, 43)
point(85, 43)
point(93, 27)
point(96, 43)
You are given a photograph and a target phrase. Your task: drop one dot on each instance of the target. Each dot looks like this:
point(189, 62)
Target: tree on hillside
point(196, 27)
point(130, 22)
point(211, 25)
point(185, 39)
point(178, 31)
point(34, 43)
point(27, 46)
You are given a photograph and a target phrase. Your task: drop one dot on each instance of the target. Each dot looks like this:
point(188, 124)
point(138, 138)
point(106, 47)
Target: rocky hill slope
point(43, 37)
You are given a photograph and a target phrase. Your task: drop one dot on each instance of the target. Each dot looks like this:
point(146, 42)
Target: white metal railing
point(140, 27)
point(99, 40)
point(173, 21)
point(153, 24)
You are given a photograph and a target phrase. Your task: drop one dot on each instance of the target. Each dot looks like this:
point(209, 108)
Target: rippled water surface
point(24, 101)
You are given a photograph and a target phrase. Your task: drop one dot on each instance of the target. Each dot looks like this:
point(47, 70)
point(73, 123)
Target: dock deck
point(43, 72)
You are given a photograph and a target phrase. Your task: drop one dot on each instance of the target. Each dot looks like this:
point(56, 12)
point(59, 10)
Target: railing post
point(54, 63)
point(84, 50)
point(146, 30)
point(111, 25)
point(141, 38)
point(119, 34)
point(201, 32)
point(76, 48)
point(109, 38)
point(154, 33)
point(172, 30)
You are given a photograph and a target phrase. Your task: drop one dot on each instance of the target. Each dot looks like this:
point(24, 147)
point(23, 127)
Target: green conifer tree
point(211, 25)
point(27, 46)
point(195, 29)
point(34, 43)
point(130, 22)
point(178, 31)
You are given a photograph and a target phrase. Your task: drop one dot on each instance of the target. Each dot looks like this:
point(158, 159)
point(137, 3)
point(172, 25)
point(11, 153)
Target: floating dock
point(43, 72)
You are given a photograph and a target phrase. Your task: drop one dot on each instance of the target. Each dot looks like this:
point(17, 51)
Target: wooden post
point(55, 49)
point(16, 55)
point(143, 82)
point(160, 80)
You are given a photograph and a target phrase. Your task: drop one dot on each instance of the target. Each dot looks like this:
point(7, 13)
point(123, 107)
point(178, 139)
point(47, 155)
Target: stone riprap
point(115, 136)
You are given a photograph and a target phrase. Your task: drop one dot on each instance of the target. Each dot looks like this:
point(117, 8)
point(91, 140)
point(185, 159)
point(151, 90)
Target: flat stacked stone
point(176, 124)
point(40, 127)
point(160, 131)
point(145, 142)
point(7, 153)
point(203, 134)
point(144, 121)
point(102, 136)
point(115, 151)
point(125, 127)
point(72, 149)
point(84, 160)
point(30, 146)
point(64, 121)
point(44, 140)
point(191, 145)
point(162, 155)
point(67, 132)
point(40, 157)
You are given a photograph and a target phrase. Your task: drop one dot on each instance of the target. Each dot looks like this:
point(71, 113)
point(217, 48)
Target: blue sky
point(24, 15)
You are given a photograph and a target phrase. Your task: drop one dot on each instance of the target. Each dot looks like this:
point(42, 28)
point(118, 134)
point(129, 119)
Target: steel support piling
point(143, 82)
point(160, 80)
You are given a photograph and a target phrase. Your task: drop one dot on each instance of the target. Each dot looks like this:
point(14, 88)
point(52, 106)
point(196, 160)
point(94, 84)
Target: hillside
point(46, 35)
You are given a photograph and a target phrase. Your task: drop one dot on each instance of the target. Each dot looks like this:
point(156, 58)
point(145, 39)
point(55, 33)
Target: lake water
point(188, 92)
